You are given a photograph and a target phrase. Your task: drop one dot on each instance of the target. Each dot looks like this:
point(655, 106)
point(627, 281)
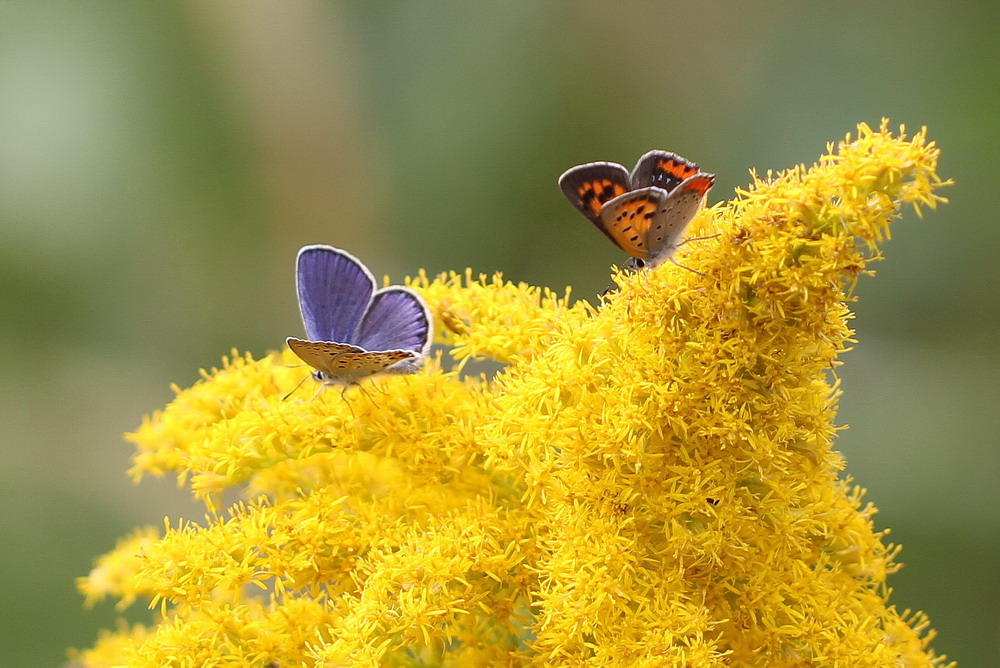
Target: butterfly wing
point(354, 366)
point(343, 362)
point(334, 290)
point(674, 215)
point(626, 219)
point(398, 318)
point(320, 355)
point(662, 169)
point(589, 187)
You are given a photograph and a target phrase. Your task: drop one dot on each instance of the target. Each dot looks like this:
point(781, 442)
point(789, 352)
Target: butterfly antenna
point(631, 265)
point(285, 398)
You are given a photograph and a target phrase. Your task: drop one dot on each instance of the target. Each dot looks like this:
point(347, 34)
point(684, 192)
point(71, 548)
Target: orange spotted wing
point(589, 187)
point(628, 218)
point(648, 223)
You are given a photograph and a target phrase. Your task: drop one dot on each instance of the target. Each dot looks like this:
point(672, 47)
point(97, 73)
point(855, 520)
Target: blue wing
point(335, 289)
point(398, 319)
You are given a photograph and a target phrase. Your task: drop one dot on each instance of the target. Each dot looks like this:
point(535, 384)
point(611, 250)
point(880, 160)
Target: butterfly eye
point(319, 376)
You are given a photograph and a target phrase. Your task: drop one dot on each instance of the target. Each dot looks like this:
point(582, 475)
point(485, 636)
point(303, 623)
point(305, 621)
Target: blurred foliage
point(160, 163)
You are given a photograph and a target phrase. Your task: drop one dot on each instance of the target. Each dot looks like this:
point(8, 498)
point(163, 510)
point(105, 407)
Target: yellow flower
point(647, 481)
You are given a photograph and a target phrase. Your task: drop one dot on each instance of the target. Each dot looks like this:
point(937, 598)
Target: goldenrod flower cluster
point(648, 480)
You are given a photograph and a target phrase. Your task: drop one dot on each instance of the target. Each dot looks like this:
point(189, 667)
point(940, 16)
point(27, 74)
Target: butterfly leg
point(347, 401)
point(688, 240)
point(700, 273)
point(376, 387)
point(367, 394)
point(710, 236)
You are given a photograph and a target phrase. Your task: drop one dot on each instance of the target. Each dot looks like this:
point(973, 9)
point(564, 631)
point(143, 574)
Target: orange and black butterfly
point(644, 212)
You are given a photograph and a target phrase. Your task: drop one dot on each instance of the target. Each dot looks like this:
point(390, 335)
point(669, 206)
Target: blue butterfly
point(355, 331)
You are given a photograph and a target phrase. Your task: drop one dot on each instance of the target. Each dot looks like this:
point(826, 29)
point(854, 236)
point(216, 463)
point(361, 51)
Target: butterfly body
point(355, 331)
point(644, 212)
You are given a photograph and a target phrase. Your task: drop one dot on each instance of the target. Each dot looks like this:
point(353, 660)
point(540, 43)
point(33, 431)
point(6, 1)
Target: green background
point(160, 164)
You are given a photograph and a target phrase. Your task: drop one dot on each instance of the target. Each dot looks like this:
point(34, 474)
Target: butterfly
point(355, 331)
point(644, 212)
